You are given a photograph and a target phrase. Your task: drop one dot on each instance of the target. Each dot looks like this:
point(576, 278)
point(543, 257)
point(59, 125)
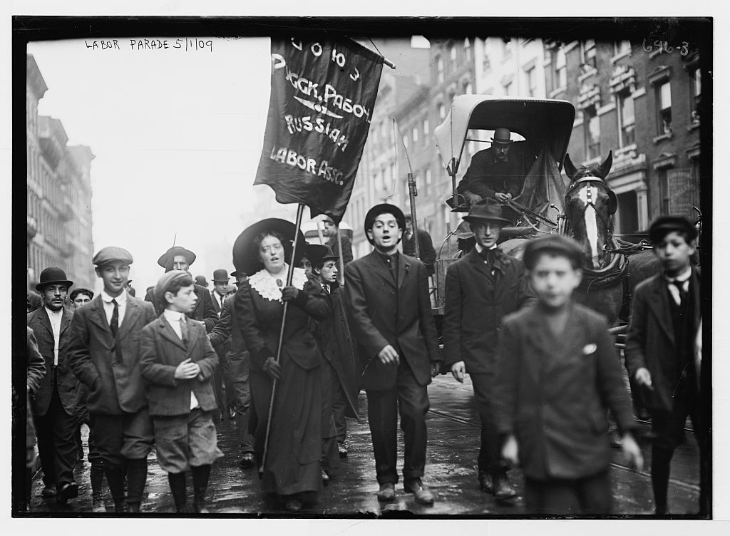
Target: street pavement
point(453, 446)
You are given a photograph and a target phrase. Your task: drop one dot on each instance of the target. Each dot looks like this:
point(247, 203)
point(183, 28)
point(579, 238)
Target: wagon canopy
point(546, 124)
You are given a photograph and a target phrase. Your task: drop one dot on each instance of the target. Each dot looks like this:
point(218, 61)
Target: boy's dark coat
point(161, 352)
point(552, 393)
point(650, 342)
point(114, 387)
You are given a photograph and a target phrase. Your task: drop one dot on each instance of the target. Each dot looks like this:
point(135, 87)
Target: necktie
point(114, 324)
point(184, 331)
point(489, 255)
point(680, 288)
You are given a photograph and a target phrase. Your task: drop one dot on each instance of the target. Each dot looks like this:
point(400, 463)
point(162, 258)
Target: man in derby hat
point(482, 288)
point(227, 334)
point(104, 354)
point(389, 311)
point(222, 372)
point(54, 401)
point(180, 258)
point(497, 172)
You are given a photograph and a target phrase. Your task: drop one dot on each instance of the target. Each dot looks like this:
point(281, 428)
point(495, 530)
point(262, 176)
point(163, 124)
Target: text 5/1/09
point(186, 44)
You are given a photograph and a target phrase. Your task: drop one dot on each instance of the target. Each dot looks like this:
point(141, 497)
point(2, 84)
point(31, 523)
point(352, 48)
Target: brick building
point(644, 106)
point(58, 193)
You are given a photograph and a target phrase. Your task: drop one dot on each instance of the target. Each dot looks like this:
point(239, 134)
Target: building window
point(531, 82)
point(621, 47)
point(506, 48)
point(561, 73)
point(467, 49)
point(508, 89)
point(626, 118)
point(440, 69)
point(453, 59)
point(588, 53)
point(664, 108)
point(486, 64)
point(695, 88)
point(428, 182)
point(442, 111)
point(426, 128)
point(592, 125)
point(468, 89)
point(405, 141)
point(414, 133)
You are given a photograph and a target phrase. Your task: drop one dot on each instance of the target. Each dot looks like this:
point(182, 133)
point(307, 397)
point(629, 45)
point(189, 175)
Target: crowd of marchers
point(288, 351)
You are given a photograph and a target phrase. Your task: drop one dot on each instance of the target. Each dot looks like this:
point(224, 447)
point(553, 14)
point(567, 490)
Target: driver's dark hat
point(486, 210)
point(501, 136)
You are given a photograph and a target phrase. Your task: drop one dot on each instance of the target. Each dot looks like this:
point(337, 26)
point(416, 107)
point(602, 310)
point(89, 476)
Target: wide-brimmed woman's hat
point(53, 276)
point(486, 210)
point(246, 254)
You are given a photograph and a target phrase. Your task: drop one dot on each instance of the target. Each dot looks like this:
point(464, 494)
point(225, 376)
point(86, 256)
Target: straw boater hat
point(486, 210)
point(246, 254)
point(383, 208)
point(53, 276)
point(501, 136)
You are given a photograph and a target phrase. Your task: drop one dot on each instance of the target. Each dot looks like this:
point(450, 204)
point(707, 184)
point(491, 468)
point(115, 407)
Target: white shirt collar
point(172, 316)
point(684, 276)
point(54, 314)
point(121, 299)
point(480, 248)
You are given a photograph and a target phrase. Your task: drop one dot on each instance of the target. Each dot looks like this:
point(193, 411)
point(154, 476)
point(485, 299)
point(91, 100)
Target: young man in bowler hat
point(389, 311)
point(223, 370)
point(481, 288)
point(55, 399)
point(180, 258)
point(663, 354)
point(104, 354)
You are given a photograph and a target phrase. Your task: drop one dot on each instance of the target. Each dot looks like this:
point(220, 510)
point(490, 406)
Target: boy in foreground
point(557, 374)
point(662, 352)
point(178, 363)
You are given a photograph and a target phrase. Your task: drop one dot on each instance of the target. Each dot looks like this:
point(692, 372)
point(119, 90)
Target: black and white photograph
point(377, 268)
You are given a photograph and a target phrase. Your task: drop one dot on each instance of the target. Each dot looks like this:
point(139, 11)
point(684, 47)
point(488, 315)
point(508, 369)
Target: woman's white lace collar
point(263, 283)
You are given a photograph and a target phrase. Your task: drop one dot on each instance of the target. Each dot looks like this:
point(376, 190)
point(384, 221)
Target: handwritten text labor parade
point(182, 44)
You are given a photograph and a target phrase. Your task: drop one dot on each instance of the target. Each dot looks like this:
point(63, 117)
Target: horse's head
point(589, 207)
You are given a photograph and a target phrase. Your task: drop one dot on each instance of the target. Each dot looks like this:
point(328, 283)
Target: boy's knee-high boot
point(115, 479)
point(136, 480)
point(201, 474)
point(179, 494)
point(660, 463)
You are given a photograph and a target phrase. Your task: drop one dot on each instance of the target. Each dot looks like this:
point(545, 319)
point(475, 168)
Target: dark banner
point(322, 98)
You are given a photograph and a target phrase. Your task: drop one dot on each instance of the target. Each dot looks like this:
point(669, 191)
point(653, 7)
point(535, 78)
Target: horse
point(590, 205)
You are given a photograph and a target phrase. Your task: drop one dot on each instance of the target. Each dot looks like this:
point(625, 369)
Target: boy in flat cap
point(178, 363)
point(54, 400)
point(180, 258)
point(661, 352)
point(104, 355)
point(557, 374)
point(389, 312)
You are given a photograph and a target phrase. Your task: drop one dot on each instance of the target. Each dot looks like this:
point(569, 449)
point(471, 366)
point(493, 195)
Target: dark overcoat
point(67, 383)
point(552, 393)
point(161, 351)
point(382, 312)
point(476, 303)
point(114, 386)
point(650, 342)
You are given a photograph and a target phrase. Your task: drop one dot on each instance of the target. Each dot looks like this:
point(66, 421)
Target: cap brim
point(476, 219)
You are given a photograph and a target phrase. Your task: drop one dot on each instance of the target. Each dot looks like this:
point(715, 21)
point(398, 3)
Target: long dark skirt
point(295, 442)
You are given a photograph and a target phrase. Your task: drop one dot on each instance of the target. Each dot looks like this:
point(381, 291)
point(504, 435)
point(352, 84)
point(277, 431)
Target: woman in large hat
point(291, 468)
